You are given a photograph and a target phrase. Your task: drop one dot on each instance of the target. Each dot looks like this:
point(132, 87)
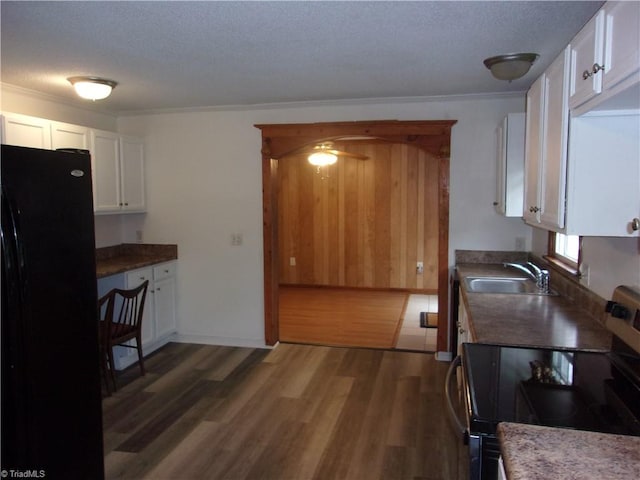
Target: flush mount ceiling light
point(92, 88)
point(510, 66)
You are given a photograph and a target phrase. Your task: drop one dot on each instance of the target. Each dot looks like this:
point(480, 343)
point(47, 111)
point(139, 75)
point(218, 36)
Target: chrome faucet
point(540, 276)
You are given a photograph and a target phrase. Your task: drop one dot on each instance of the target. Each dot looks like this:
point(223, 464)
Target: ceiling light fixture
point(510, 66)
point(92, 88)
point(322, 159)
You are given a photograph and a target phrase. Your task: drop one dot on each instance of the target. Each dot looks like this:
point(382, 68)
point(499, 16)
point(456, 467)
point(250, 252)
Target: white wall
point(204, 183)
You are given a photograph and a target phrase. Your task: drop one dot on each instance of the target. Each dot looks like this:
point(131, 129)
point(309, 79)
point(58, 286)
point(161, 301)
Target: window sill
point(567, 269)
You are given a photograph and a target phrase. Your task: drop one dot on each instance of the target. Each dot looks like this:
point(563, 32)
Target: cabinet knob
point(635, 224)
point(534, 209)
point(126, 204)
point(158, 289)
point(495, 204)
point(586, 74)
point(596, 68)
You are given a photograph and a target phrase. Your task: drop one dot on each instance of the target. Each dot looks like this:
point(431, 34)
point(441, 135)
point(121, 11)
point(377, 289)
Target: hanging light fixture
point(510, 66)
point(92, 88)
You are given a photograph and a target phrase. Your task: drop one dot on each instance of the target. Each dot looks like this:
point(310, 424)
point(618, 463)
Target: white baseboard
point(222, 341)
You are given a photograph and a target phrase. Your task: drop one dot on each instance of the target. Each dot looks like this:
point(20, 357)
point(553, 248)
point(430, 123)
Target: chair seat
point(118, 332)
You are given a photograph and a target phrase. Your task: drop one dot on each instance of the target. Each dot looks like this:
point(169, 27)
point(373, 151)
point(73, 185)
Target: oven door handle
point(462, 429)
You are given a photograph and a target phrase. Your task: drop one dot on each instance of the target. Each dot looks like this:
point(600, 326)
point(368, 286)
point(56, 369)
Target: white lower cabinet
point(159, 316)
point(164, 299)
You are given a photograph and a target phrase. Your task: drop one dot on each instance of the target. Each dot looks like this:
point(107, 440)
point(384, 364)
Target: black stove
point(558, 388)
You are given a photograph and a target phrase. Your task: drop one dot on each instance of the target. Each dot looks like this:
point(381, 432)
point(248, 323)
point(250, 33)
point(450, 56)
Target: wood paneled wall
point(360, 223)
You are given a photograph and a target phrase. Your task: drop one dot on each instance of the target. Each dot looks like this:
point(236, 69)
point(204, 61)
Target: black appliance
point(51, 410)
point(575, 389)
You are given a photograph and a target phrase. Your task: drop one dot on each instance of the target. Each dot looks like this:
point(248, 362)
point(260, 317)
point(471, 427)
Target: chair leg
point(112, 368)
point(139, 348)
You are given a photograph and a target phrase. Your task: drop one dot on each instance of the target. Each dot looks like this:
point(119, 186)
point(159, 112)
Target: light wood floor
point(297, 412)
point(338, 316)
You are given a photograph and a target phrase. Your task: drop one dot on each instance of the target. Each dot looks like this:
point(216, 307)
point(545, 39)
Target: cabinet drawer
point(163, 271)
point(136, 277)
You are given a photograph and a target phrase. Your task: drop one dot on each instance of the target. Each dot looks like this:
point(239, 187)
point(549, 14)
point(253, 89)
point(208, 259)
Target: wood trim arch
point(433, 136)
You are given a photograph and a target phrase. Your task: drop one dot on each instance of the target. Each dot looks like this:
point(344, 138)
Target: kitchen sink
point(518, 285)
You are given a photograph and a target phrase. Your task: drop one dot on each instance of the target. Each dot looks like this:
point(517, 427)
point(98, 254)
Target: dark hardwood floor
point(296, 412)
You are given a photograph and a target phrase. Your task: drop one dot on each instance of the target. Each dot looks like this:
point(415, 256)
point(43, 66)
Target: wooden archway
point(432, 136)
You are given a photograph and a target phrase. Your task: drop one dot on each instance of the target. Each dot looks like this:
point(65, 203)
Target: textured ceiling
point(174, 55)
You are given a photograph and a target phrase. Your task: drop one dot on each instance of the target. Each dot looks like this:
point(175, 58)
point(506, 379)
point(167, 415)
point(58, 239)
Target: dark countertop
point(130, 256)
point(530, 320)
point(535, 452)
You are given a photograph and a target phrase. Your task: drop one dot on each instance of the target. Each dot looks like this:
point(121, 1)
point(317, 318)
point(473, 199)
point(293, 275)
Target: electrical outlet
point(138, 236)
point(520, 244)
point(585, 274)
point(419, 268)
point(292, 261)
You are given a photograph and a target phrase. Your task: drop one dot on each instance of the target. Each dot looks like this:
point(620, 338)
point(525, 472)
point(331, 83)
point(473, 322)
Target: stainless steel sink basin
point(503, 285)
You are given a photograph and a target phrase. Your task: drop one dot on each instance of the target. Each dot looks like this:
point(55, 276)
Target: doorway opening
point(370, 200)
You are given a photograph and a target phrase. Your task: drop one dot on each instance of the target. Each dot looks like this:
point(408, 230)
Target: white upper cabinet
point(118, 173)
point(587, 59)
point(533, 151)
point(546, 146)
point(605, 60)
point(25, 131)
point(622, 43)
point(66, 135)
point(105, 163)
point(603, 178)
point(510, 180)
point(132, 167)
point(582, 146)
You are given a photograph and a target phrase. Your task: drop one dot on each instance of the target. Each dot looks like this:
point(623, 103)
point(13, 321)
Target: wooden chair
point(121, 322)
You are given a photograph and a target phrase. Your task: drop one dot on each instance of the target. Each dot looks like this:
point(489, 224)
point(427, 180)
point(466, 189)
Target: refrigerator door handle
point(12, 247)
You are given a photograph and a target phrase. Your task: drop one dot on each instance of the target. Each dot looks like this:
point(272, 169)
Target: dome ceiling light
point(510, 66)
point(92, 88)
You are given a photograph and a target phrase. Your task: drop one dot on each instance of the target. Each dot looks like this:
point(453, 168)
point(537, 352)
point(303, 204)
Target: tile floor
point(412, 336)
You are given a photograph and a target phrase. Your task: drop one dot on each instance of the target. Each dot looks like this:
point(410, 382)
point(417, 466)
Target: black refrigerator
point(51, 415)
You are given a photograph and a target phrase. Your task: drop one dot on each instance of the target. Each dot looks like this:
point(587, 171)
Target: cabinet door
point(135, 278)
point(25, 131)
point(501, 140)
point(165, 306)
point(105, 163)
point(622, 41)
point(64, 135)
point(132, 164)
point(533, 150)
point(554, 154)
point(587, 49)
